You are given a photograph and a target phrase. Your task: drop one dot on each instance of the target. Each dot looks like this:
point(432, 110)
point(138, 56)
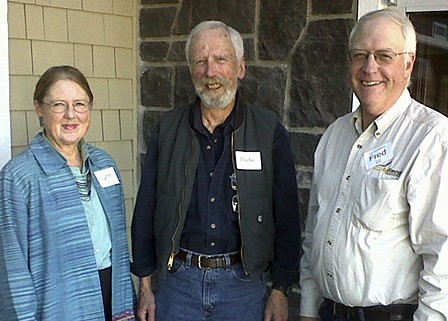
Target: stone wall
point(296, 65)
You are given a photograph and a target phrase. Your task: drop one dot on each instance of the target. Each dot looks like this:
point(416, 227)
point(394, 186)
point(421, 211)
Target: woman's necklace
point(84, 185)
point(82, 176)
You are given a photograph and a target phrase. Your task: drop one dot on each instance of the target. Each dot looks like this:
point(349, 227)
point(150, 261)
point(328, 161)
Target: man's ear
point(242, 69)
point(410, 62)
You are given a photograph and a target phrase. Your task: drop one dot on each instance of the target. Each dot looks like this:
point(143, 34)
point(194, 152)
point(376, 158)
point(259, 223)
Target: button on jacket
point(377, 229)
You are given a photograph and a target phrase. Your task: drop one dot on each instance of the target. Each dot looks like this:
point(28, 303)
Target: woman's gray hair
point(235, 37)
point(410, 39)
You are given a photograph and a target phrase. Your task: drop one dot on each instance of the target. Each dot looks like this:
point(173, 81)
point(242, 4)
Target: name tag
point(250, 161)
point(380, 155)
point(107, 177)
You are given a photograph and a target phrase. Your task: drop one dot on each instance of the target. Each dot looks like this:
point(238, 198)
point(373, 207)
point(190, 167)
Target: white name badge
point(250, 161)
point(380, 155)
point(107, 177)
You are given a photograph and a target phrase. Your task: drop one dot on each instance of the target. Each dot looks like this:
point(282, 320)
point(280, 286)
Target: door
point(429, 82)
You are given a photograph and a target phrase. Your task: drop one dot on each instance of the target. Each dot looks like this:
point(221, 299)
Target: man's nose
point(370, 65)
point(211, 68)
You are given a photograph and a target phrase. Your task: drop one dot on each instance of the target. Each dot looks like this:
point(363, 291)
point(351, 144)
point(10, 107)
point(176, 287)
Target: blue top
point(98, 224)
point(48, 269)
point(96, 218)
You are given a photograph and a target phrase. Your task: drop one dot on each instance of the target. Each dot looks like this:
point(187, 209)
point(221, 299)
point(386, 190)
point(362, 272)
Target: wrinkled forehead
point(216, 38)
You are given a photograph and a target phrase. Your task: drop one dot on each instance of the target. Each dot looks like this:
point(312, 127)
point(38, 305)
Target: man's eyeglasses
point(61, 106)
point(382, 57)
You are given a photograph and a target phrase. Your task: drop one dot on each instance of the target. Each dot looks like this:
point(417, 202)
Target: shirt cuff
point(310, 300)
point(143, 267)
point(284, 278)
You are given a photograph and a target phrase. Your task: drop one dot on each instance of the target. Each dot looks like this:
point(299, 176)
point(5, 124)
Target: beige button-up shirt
point(377, 228)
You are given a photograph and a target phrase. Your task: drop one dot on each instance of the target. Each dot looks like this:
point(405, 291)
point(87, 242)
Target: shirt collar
point(228, 124)
point(356, 120)
point(49, 158)
point(383, 121)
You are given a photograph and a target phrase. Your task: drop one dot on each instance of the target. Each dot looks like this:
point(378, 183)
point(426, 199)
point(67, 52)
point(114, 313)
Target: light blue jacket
point(47, 264)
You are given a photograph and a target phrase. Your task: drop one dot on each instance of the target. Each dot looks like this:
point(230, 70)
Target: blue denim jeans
point(189, 293)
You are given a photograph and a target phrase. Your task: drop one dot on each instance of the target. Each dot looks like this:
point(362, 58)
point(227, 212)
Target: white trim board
point(5, 121)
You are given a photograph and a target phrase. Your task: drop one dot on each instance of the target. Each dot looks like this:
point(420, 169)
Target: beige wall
point(96, 36)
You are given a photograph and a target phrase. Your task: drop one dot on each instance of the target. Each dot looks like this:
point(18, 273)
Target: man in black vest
point(217, 204)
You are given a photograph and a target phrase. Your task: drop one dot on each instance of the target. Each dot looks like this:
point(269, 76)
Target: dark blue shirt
point(211, 225)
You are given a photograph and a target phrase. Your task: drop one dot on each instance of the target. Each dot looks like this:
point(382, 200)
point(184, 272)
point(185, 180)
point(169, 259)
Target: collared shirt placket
point(211, 204)
point(342, 206)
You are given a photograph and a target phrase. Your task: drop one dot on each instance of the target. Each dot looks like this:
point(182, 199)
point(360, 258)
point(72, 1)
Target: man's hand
point(277, 307)
point(146, 301)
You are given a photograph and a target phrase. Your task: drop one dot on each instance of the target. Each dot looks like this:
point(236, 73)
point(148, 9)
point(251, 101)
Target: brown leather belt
point(210, 262)
point(373, 313)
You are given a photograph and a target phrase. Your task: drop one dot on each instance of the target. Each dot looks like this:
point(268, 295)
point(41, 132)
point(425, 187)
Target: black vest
point(178, 158)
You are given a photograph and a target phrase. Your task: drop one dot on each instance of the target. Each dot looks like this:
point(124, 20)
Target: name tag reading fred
point(380, 155)
point(107, 177)
point(250, 161)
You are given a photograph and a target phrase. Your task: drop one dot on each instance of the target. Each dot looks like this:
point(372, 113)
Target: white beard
point(213, 100)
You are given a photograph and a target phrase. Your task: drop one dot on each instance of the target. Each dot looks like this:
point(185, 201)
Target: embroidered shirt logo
point(387, 170)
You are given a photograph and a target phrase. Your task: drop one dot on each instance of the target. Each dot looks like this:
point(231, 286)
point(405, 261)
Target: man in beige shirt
point(376, 239)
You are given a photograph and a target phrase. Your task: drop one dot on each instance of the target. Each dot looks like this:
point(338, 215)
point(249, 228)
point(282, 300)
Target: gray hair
point(410, 39)
point(235, 37)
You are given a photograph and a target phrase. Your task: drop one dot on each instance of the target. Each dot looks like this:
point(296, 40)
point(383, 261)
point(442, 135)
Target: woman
point(62, 222)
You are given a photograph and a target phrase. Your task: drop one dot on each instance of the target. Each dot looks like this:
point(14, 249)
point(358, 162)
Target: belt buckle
point(200, 256)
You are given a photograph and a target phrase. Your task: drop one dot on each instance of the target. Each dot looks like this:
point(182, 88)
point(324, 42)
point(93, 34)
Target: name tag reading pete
point(107, 177)
point(250, 161)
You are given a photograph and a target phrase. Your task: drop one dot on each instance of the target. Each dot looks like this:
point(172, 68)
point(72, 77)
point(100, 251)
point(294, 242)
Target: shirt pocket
point(381, 204)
